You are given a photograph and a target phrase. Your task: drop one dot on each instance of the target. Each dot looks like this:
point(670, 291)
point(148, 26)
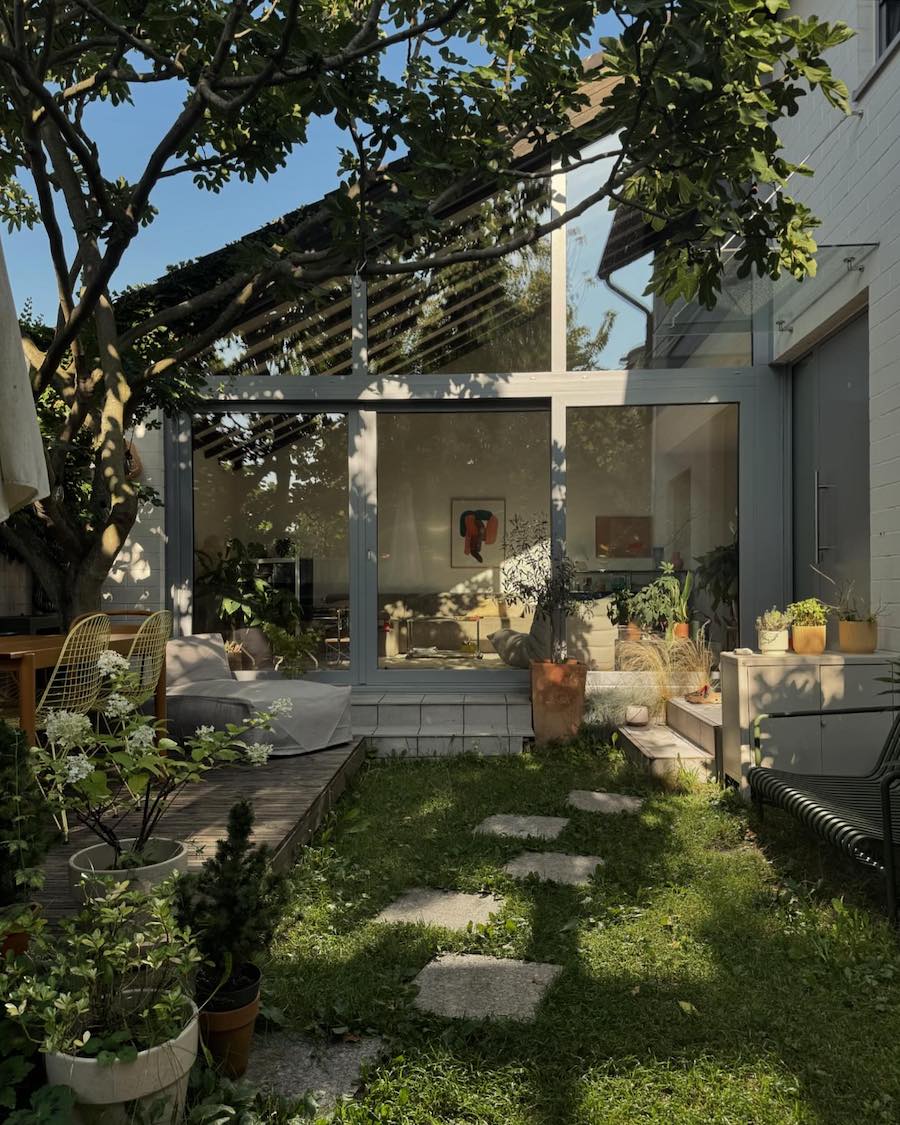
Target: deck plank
point(291, 796)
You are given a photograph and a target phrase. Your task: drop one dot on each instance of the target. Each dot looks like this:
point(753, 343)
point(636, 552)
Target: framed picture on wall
point(477, 533)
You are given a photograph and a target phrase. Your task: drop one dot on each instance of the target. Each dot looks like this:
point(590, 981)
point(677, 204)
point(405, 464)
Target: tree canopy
point(439, 102)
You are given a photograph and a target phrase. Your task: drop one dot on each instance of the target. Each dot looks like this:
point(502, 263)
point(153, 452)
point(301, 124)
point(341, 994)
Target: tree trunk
point(82, 593)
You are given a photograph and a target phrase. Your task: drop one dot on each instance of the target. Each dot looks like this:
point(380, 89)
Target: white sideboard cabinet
point(789, 686)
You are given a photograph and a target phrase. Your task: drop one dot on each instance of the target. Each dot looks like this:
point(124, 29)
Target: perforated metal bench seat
point(853, 813)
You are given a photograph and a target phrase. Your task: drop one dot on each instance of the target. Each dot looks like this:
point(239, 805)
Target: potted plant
point(808, 621)
point(231, 906)
point(717, 577)
point(99, 778)
point(234, 651)
point(619, 612)
point(108, 1000)
point(548, 586)
point(26, 831)
point(678, 594)
point(773, 630)
point(857, 621)
point(672, 666)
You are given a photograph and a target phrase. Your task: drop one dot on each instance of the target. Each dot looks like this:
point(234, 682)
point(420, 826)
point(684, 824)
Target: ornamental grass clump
point(114, 980)
point(100, 776)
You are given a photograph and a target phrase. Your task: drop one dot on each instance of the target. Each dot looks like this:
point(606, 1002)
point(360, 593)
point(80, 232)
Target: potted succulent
point(231, 906)
point(619, 612)
point(773, 630)
point(809, 619)
point(548, 586)
point(108, 1000)
point(99, 778)
point(26, 831)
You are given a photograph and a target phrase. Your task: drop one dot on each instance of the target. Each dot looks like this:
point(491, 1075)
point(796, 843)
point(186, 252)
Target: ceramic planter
point(557, 699)
point(91, 870)
point(227, 1022)
point(808, 640)
point(773, 640)
point(858, 636)
point(112, 1093)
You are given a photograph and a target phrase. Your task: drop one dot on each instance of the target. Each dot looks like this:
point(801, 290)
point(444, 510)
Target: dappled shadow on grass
point(692, 989)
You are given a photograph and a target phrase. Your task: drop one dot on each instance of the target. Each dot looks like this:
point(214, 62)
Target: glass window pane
point(654, 484)
point(448, 486)
point(475, 317)
point(271, 567)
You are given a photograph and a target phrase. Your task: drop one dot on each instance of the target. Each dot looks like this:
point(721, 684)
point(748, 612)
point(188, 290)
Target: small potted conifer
point(231, 906)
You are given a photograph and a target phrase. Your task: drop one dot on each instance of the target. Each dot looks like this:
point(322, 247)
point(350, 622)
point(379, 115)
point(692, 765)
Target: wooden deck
point(291, 796)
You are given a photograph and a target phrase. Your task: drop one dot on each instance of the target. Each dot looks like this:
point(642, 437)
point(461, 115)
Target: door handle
point(820, 488)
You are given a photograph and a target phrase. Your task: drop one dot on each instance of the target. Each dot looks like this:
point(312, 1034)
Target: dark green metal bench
point(854, 814)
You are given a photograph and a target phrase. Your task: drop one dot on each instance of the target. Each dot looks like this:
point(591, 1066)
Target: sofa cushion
point(519, 649)
point(197, 658)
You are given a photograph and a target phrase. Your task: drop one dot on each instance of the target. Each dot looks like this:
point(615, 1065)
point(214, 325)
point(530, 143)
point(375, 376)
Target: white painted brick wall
point(856, 194)
point(138, 577)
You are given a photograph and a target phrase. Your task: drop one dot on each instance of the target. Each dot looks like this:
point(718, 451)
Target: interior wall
point(425, 461)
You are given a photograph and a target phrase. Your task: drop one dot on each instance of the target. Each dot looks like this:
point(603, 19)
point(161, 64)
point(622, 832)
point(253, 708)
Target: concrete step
point(700, 723)
point(433, 715)
point(662, 753)
point(386, 743)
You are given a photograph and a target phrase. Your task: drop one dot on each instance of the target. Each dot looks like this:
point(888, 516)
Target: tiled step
point(392, 744)
point(700, 723)
point(662, 752)
point(407, 714)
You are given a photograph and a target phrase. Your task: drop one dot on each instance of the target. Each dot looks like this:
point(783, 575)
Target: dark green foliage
point(26, 828)
point(233, 904)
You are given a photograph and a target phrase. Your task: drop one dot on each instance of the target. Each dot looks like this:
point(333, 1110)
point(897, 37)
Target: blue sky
point(190, 221)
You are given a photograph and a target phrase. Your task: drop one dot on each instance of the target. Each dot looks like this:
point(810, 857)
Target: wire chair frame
point(146, 656)
point(75, 681)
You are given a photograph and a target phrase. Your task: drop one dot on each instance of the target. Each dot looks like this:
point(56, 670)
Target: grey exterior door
point(831, 464)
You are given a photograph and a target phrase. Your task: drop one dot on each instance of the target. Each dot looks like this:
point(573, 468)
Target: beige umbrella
point(23, 471)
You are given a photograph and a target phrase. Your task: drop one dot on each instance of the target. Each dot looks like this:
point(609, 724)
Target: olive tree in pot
point(108, 1000)
point(128, 774)
point(546, 585)
point(231, 906)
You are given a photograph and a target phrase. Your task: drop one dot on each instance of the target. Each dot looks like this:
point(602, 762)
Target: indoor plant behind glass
point(231, 906)
point(773, 630)
point(100, 779)
point(809, 619)
point(26, 831)
point(620, 613)
point(548, 587)
point(107, 998)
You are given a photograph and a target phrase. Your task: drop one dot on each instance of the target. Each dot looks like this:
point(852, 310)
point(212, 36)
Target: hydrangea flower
point(280, 707)
point(204, 732)
point(258, 753)
point(117, 706)
point(69, 729)
point(141, 738)
point(78, 767)
point(112, 663)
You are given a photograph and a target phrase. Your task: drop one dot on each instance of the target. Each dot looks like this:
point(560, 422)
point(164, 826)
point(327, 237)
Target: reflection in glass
point(270, 534)
point(652, 484)
point(490, 316)
point(448, 483)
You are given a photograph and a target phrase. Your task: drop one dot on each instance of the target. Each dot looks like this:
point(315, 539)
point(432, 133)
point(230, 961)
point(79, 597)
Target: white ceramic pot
point(110, 1093)
point(773, 640)
point(91, 872)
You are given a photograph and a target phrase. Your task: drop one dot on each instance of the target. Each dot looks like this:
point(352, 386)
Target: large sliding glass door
point(450, 485)
point(271, 542)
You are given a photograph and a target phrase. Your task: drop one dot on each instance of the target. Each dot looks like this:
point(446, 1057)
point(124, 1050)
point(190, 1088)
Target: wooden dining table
point(24, 656)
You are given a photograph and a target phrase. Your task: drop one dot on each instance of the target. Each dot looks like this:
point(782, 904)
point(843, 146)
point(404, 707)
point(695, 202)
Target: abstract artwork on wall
point(477, 533)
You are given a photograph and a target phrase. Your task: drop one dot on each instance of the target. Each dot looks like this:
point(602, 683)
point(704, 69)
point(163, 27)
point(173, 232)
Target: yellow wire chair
point(74, 683)
point(146, 655)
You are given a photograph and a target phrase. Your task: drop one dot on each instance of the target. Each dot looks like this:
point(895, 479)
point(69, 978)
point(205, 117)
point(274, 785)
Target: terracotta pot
point(115, 1093)
point(858, 636)
point(15, 942)
point(632, 631)
point(682, 629)
point(808, 640)
point(91, 871)
point(773, 640)
point(227, 1022)
point(557, 699)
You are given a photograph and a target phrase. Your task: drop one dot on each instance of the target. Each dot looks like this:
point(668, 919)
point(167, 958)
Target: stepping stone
point(588, 801)
point(471, 986)
point(542, 827)
point(441, 908)
point(292, 1066)
point(554, 867)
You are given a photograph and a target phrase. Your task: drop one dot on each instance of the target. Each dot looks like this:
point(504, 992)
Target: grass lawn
point(704, 979)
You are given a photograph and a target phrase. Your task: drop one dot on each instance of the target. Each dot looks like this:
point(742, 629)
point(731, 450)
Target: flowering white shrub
point(78, 767)
point(279, 708)
point(112, 663)
point(68, 730)
point(117, 706)
point(258, 753)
